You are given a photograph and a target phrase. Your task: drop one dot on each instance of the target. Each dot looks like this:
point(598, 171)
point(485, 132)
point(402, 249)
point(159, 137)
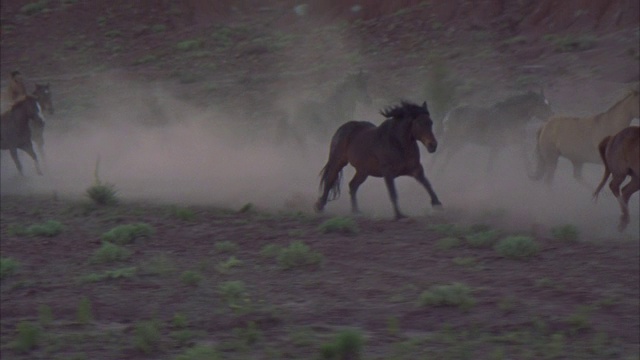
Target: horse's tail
point(331, 173)
point(602, 148)
point(540, 163)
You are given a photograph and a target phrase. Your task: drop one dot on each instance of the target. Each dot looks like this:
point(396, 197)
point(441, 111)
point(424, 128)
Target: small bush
point(8, 267)
point(125, 234)
point(28, 337)
point(103, 194)
point(224, 266)
point(298, 254)
point(182, 213)
point(84, 314)
point(482, 239)
point(188, 45)
point(109, 252)
point(147, 336)
point(347, 344)
point(568, 233)
point(271, 250)
point(159, 265)
point(234, 294)
point(111, 274)
point(342, 225)
point(225, 246)
point(34, 7)
point(448, 243)
point(199, 352)
point(49, 228)
point(455, 294)
point(180, 321)
point(517, 247)
point(191, 278)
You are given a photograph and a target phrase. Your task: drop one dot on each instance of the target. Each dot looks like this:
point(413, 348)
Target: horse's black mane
point(404, 110)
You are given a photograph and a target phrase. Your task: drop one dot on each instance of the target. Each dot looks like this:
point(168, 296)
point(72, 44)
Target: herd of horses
point(390, 150)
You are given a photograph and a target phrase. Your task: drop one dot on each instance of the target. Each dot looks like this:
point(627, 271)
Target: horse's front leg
point(422, 179)
point(16, 160)
point(391, 187)
point(29, 150)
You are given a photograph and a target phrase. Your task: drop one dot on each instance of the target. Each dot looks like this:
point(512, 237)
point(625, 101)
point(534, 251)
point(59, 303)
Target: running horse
point(620, 154)
point(494, 127)
point(388, 151)
point(15, 132)
point(577, 138)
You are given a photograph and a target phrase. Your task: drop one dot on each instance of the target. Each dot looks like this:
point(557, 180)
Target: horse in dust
point(577, 138)
point(495, 127)
point(43, 94)
point(316, 117)
point(15, 131)
point(388, 151)
point(620, 154)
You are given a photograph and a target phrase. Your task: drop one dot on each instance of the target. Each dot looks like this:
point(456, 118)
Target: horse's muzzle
point(431, 145)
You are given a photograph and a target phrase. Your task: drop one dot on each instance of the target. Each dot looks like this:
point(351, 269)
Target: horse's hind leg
point(422, 179)
point(577, 173)
point(393, 194)
point(29, 150)
point(354, 184)
point(331, 178)
point(623, 200)
point(16, 160)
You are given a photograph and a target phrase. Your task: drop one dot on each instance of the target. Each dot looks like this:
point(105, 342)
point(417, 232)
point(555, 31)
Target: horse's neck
point(615, 119)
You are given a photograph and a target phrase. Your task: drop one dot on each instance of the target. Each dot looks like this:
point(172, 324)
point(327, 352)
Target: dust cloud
point(207, 157)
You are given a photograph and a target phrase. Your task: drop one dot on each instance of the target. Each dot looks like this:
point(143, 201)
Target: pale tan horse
point(620, 154)
point(577, 138)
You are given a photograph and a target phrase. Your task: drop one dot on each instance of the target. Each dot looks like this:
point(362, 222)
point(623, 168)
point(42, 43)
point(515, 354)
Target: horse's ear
point(424, 105)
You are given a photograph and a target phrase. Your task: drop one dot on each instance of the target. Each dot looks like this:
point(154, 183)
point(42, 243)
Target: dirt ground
point(181, 104)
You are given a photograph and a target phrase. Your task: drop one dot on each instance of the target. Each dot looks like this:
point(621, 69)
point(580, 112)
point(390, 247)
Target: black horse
point(389, 150)
point(494, 127)
point(15, 132)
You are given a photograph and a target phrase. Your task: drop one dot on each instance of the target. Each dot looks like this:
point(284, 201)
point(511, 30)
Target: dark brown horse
point(15, 132)
point(620, 154)
point(388, 151)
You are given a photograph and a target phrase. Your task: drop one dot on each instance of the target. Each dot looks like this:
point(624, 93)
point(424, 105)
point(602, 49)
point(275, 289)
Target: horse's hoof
point(318, 208)
point(437, 206)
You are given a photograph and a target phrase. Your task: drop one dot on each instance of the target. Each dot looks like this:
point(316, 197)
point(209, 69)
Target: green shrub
point(483, 238)
point(298, 254)
point(49, 228)
point(455, 294)
point(182, 213)
point(225, 246)
point(224, 266)
point(84, 314)
point(199, 352)
point(147, 336)
point(125, 234)
point(271, 250)
point(342, 225)
point(111, 274)
point(103, 194)
point(34, 7)
point(45, 315)
point(192, 278)
point(448, 243)
point(517, 247)
point(188, 45)
point(8, 267)
point(234, 294)
point(346, 345)
point(28, 337)
point(568, 233)
point(109, 252)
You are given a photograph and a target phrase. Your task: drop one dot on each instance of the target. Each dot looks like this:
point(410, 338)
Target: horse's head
point(30, 109)
point(43, 94)
point(540, 107)
point(421, 125)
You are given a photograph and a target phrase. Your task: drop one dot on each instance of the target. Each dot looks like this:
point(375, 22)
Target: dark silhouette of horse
point(317, 117)
point(494, 127)
point(15, 132)
point(388, 151)
point(620, 154)
point(577, 138)
point(44, 96)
